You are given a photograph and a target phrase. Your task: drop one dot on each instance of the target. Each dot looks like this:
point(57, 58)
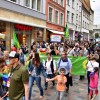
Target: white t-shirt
point(48, 70)
point(91, 65)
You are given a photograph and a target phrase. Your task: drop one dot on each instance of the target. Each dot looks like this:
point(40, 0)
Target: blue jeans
point(38, 83)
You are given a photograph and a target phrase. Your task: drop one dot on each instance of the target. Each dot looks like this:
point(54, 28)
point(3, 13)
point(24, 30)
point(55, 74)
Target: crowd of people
point(20, 67)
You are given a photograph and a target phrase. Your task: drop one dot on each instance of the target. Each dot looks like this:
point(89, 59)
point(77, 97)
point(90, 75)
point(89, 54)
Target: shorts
point(95, 91)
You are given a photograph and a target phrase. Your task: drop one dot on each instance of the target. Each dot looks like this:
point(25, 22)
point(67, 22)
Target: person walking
point(61, 84)
point(50, 68)
point(65, 63)
point(92, 63)
point(94, 78)
point(19, 78)
point(35, 69)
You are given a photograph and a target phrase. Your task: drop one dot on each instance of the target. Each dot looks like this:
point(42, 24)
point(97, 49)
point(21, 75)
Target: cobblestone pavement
point(77, 92)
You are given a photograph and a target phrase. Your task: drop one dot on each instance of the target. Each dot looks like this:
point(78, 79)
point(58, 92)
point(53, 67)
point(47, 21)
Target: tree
point(96, 35)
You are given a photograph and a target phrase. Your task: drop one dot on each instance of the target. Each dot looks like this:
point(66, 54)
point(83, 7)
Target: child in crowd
point(93, 84)
point(61, 84)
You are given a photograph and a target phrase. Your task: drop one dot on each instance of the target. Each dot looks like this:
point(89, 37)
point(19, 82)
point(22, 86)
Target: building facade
point(85, 19)
point(27, 18)
point(55, 11)
point(91, 24)
point(73, 16)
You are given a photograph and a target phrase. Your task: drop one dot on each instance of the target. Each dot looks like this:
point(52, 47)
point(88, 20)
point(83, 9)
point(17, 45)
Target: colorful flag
point(66, 35)
point(15, 41)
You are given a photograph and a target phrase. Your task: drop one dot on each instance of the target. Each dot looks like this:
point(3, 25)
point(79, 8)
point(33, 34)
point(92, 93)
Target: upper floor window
point(56, 17)
point(34, 4)
point(77, 6)
point(13, 0)
point(39, 5)
point(50, 14)
point(27, 3)
point(68, 2)
point(62, 3)
point(72, 17)
point(61, 19)
point(68, 16)
point(73, 3)
point(57, 1)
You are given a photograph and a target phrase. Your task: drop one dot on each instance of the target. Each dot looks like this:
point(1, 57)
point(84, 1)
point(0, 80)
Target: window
point(72, 3)
point(68, 16)
point(34, 4)
point(39, 5)
point(77, 6)
point(72, 18)
point(13, 0)
point(56, 17)
point(57, 1)
point(76, 16)
point(62, 3)
point(83, 24)
point(50, 14)
point(68, 3)
point(61, 18)
point(27, 3)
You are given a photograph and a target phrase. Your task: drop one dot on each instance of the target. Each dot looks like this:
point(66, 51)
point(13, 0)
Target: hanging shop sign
point(55, 38)
point(23, 27)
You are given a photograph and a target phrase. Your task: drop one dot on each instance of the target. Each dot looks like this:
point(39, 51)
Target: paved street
point(77, 92)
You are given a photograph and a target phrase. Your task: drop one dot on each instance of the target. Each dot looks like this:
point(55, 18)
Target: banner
point(78, 63)
point(55, 38)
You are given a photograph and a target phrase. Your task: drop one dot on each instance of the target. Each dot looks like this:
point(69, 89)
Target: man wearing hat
point(19, 78)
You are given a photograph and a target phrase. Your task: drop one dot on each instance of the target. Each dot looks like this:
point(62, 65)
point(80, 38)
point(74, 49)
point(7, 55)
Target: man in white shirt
point(50, 68)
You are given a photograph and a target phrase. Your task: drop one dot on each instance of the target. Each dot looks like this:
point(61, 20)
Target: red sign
point(23, 27)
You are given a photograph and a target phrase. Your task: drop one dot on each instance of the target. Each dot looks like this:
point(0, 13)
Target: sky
point(95, 5)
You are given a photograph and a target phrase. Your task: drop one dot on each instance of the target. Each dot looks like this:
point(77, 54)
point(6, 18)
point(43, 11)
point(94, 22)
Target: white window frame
point(60, 19)
point(58, 16)
point(52, 13)
point(68, 12)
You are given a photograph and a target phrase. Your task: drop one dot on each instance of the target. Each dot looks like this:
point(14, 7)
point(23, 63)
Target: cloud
point(96, 7)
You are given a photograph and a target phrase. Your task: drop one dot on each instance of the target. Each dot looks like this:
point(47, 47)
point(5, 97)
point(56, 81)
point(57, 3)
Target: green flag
point(66, 35)
point(15, 41)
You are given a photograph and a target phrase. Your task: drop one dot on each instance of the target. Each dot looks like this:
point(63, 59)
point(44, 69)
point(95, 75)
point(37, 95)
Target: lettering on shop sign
point(23, 27)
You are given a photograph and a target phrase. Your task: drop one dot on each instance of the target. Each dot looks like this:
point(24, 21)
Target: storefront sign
point(23, 27)
point(55, 38)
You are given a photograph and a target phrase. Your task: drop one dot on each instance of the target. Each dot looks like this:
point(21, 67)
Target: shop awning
point(56, 32)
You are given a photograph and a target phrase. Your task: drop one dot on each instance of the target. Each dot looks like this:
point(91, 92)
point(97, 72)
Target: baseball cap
point(13, 54)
